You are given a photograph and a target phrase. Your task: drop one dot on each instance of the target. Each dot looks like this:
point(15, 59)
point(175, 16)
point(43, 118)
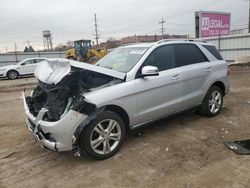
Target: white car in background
point(25, 67)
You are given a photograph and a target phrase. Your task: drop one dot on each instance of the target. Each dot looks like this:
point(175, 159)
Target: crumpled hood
point(62, 84)
point(52, 71)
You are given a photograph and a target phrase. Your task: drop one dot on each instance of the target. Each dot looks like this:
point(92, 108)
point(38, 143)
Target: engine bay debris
point(61, 87)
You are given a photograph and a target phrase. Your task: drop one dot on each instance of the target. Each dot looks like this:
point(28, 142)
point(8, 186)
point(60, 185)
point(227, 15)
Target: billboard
point(211, 24)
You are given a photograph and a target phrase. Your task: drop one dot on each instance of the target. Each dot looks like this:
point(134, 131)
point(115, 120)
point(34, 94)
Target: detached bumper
point(57, 136)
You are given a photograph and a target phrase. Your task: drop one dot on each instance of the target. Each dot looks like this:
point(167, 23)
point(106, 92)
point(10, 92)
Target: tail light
point(228, 71)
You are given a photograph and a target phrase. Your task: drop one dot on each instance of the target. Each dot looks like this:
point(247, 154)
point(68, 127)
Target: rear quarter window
point(187, 54)
point(213, 51)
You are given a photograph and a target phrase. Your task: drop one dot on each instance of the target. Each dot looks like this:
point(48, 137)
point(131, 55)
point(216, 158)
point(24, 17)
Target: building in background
point(109, 44)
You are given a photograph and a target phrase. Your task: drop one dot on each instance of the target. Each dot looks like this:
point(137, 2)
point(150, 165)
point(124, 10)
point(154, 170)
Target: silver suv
point(89, 108)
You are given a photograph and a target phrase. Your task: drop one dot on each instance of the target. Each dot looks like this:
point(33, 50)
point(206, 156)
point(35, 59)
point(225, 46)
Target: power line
point(97, 36)
point(162, 27)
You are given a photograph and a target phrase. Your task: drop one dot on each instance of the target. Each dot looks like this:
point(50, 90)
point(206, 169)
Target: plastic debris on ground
point(239, 147)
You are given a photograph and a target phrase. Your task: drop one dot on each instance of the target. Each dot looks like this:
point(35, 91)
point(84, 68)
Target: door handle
point(176, 77)
point(209, 69)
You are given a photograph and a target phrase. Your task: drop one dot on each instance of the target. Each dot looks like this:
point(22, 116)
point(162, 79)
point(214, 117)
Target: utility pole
point(97, 36)
point(162, 27)
point(15, 47)
point(6, 49)
point(28, 42)
point(16, 52)
point(249, 19)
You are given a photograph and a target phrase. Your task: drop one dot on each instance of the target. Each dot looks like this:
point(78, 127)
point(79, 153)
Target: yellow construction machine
point(84, 52)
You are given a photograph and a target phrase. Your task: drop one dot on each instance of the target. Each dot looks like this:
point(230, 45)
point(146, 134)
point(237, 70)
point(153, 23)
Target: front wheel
point(103, 137)
point(12, 74)
point(213, 102)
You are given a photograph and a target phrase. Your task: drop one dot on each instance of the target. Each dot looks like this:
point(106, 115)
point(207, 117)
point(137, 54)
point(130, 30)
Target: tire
point(99, 133)
point(12, 74)
point(93, 60)
point(212, 103)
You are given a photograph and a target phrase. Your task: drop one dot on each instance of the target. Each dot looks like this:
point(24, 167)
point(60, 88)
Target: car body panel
point(125, 98)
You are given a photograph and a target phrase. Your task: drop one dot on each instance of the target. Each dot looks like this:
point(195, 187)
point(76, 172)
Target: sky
point(22, 20)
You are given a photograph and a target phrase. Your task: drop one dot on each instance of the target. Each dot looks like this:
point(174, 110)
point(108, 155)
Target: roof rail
point(196, 40)
point(135, 43)
point(180, 39)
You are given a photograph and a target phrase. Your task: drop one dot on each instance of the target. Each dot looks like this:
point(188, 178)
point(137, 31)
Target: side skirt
point(192, 109)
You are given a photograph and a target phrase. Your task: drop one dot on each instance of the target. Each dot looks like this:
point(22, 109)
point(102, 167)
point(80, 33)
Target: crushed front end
point(57, 106)
point(57, 135)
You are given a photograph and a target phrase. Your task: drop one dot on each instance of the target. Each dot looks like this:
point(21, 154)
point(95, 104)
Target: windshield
point(122, 59)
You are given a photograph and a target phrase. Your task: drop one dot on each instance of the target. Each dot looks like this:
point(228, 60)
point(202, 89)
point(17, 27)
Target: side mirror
point(22, 64)
point(149, 71)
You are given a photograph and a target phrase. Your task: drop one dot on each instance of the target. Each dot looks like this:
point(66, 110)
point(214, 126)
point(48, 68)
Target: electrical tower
point(47, 40)
point(97, 36)
point(162, 27)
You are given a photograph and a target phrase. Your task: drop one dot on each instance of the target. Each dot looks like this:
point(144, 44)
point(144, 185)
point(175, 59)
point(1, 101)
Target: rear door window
point(187, 54)
point(213, 51)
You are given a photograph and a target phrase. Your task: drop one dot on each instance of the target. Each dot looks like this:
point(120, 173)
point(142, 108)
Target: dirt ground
point(183, 151)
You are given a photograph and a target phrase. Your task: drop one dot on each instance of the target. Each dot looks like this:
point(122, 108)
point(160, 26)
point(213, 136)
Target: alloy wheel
point(12, 75)
point(105, 136)
point(215, 101)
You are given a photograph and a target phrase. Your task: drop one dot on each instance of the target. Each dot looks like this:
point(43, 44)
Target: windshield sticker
point(139, 52)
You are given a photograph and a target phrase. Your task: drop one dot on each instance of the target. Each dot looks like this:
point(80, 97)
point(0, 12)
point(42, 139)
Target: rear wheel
point(213, 102)
point(103, 137)
point(12, 74)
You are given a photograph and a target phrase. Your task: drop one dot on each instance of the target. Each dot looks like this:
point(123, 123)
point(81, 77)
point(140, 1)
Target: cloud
point(72, 20)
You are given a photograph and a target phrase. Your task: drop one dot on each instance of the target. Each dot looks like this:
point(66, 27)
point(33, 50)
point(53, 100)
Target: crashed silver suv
point(89, 108)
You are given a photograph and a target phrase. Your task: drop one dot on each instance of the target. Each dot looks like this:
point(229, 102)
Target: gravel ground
point(183, 151)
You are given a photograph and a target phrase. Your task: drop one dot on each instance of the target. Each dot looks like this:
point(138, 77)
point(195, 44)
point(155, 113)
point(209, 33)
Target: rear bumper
point(57, 136)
